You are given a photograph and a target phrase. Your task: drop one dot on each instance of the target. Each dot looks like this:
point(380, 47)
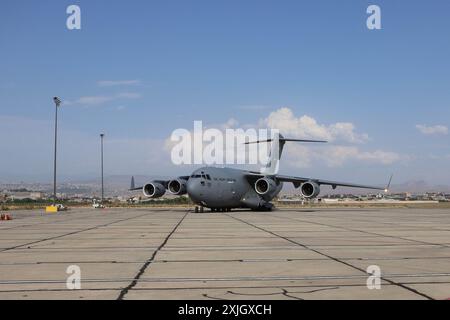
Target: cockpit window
point(204, 176)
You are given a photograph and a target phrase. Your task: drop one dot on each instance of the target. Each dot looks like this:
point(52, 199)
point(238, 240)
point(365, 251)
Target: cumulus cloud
point(301, 155)
point(429, 130)
point(337, 155)
point(217, 144)
point(307, 127)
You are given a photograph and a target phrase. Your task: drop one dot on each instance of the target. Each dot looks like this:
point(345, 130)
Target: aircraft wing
point(163, 182)
point(297, 181)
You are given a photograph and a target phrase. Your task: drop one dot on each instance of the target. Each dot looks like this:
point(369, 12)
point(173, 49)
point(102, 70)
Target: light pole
point(101, 141)
point(57, 102)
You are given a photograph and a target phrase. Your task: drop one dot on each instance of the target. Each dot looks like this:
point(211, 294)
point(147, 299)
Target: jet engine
point(177, 187)
point(265, 185)
point(310, 189)
point(153, 190)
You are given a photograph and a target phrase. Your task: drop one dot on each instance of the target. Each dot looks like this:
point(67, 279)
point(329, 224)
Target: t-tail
point(276, 149)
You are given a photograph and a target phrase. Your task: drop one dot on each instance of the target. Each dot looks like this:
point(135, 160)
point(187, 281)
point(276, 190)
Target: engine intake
point(265, 185)
point(153, 190)
point(177, 187)
point(310, 189)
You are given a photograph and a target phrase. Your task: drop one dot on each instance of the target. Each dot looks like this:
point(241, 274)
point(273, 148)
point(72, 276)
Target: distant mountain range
point(121, 181)
point(116, 184)
point(415, 186)
point(419, 186)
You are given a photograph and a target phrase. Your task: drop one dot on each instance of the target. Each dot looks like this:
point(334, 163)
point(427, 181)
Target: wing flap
point(297, 181)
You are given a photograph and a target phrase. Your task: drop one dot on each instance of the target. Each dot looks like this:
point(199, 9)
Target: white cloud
point(299, 155)
point(94, 100)
point(137, 155)
point(102, 99)
point(337, 155)
point(231, 123)
point(380, 156)
point(428, 130)
point(111, 83)
point(307, 127)
point(129, 95)
point(77, 151)
point(302, 156)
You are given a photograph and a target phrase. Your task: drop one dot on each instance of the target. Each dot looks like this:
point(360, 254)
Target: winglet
point(389, 184)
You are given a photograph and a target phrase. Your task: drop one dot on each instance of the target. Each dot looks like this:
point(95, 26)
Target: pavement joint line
point(218, 260)
point(210, 248)
point(203, 288)
point(398, 224)
point(141, 271)
point(231, 279)
point(70, 233)
point(40, 223)
point(191, 243)
point(362, 231)
point(333, 258)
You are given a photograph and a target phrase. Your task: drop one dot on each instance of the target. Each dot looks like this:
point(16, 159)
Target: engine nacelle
point(177, 187)
point(153, 190)
point(310, 189)
point(265, 185)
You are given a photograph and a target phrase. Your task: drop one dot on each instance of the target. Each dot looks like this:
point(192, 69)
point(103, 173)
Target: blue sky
point(165, 64)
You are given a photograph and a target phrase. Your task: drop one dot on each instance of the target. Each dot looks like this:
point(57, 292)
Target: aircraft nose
point(193, 189)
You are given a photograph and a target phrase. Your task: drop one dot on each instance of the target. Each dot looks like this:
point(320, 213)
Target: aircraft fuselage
point(227, 188)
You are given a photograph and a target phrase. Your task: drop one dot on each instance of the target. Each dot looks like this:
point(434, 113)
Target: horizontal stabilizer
point(286, 139)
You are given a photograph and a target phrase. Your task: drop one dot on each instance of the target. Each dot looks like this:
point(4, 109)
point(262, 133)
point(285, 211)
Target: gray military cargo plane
point(222, 189)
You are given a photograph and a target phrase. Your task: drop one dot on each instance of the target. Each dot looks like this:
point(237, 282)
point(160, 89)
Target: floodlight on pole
point(57, 102)
point(101, 138)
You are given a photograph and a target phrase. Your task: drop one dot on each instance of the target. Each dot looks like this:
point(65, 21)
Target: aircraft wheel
point(201, 209)
point(196, 209)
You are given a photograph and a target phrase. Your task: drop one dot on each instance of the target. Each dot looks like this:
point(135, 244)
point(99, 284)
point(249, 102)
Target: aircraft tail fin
point(276, 150)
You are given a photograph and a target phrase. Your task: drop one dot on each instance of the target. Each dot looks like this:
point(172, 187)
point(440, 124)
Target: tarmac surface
point(148, 253)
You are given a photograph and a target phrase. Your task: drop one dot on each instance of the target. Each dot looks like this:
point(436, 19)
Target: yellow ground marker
point(51, 209)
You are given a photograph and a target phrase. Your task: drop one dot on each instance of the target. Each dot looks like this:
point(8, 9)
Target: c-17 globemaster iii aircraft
point(222, 189)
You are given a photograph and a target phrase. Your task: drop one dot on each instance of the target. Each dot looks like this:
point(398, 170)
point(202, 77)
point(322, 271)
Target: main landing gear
point(220, 209)
point(200, 209)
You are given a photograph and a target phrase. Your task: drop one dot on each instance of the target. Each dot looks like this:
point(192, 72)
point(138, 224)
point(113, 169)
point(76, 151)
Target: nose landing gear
point(199, 209)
